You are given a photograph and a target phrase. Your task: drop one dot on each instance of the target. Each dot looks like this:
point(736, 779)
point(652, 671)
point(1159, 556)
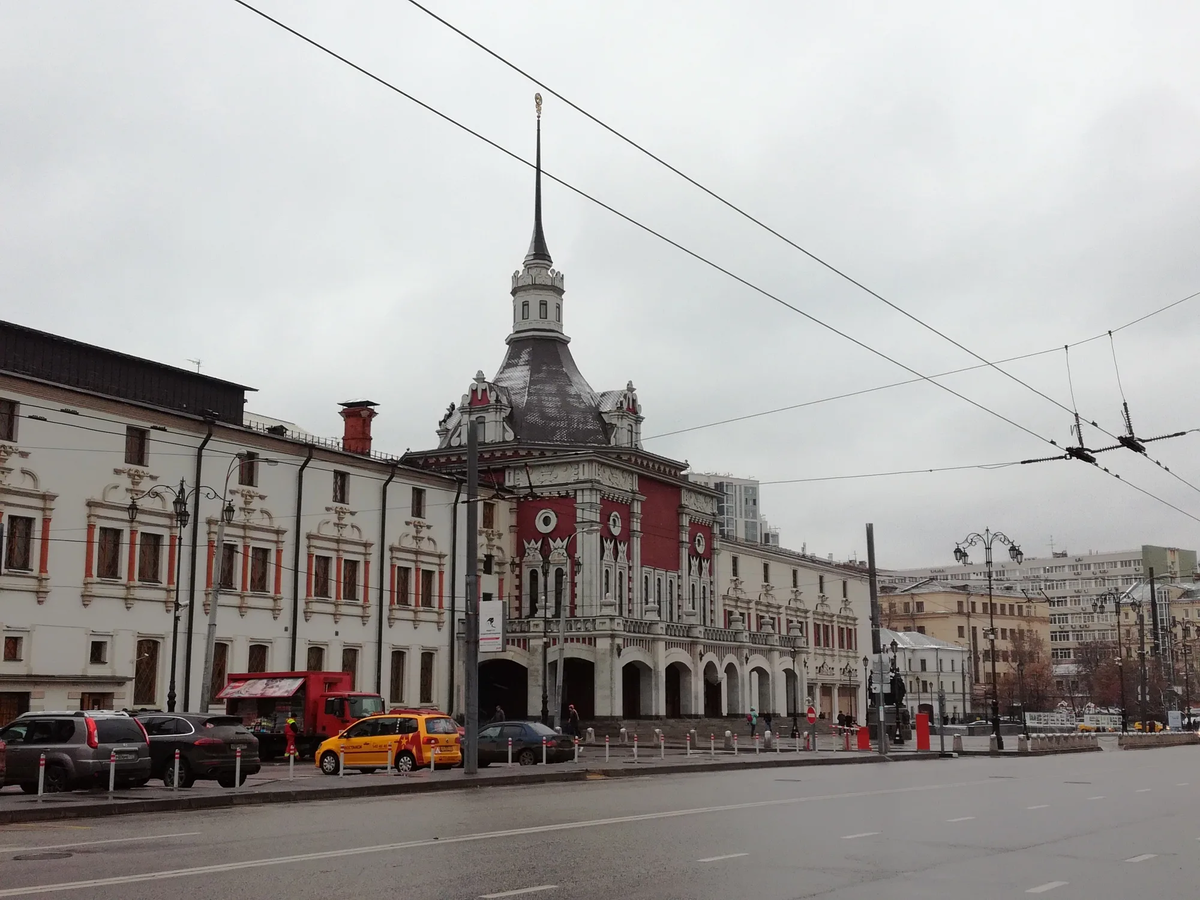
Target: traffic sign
point(812, 716)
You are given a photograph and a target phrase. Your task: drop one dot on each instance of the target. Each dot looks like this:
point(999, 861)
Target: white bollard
point(175, 781)
point(510, 751)
point(623, 736)
point(112, 772)
point(341, 760)
point(712, 746)
point(237, 768)
point(662, 746)
point(433, 762)
point(635, 748)
point(292, 764)
point(543, 751)
point(606, 748)
point(41, 775)
point(756, 745)
point(688, 742)
point(591, 735)
point(576, 749)
point(735, 745)
point(391, 759)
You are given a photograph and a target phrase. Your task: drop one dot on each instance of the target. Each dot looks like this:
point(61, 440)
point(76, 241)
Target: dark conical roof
point(551, 401)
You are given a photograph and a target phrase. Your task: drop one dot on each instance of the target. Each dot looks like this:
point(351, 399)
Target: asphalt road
point(1095, 825)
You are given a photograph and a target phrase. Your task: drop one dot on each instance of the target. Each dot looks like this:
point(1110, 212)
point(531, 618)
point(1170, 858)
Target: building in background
point(929, 666)
point(739, 516)
point(337, 557)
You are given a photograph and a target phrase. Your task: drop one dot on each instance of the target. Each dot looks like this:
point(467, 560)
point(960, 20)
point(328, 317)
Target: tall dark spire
point(538, 251)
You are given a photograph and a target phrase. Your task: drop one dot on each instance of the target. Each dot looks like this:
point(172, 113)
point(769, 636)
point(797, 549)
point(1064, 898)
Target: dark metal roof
point(58, 360)
point(538, 251)
point(552, 403)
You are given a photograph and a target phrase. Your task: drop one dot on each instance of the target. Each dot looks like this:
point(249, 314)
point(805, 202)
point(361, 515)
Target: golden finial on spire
point(537, 101)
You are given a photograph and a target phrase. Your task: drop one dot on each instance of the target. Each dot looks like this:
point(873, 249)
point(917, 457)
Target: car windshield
point(440, 725)
point(361, 707)
point(543, 730)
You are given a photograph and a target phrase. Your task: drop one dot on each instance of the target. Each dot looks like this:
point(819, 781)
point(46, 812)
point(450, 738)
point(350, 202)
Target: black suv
point(77, 746)
point(207, 747)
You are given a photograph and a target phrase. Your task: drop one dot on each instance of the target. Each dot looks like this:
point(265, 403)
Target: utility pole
point(210, 640)
point(1155, 646)
point(876, 647)
point(471, 654)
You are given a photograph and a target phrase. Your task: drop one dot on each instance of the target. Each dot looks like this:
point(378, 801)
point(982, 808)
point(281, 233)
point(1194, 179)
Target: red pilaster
point(278, 571)
point(442, 589)
point(89, 560)
point(392, 593)
point(308, 579)
point(132, 570)
point(44, 562)
point(245, 566)
point(212, 555)
point(337, 588)
point(171, 551)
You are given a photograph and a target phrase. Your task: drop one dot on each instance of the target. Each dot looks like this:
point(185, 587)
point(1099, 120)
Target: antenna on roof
point(196, 363)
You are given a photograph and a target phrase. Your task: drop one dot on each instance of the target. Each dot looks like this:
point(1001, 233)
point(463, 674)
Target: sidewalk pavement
point(272, 783)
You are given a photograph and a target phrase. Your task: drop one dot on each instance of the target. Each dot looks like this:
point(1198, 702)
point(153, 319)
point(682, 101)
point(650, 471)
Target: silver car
point(78, 747)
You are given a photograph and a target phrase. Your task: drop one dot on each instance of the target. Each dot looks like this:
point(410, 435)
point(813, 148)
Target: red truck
point(322, 703)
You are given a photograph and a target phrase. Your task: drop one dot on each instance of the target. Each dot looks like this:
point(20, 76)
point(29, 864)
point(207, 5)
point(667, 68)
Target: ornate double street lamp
point(1100, 606)
point(897, 689)
point(988, 538)
point(1185, 643)
point(179, 508)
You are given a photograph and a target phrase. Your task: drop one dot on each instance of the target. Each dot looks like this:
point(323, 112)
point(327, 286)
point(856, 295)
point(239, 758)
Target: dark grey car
point(78, 746)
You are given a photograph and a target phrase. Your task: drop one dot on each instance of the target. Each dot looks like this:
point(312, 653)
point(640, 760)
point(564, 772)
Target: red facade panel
point(660, 524)
point(527, 512)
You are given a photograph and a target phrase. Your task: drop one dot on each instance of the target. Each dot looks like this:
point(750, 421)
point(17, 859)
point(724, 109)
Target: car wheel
point(405, 763)
point(526, 757)
point(186, 778)
point(226, 780)
point(329, 762)
point(56, 780)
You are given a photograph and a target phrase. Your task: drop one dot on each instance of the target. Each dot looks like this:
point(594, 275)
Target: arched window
point(560, 580)
point(693, 606)
point(645, 592)
point(658, 595)
point(558, 312)
point(670, 601)
point(542, 313)
point(533, 592)
point(607, 584)
point(620, 596)
point(524, 309)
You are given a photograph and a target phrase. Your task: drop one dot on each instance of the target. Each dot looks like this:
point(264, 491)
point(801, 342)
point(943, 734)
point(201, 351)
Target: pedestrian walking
point(572, 720)
point(498, 715)
point(752, 721)
point(767, 720)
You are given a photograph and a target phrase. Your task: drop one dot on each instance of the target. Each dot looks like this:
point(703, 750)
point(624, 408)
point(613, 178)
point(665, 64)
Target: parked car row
point(78, 746)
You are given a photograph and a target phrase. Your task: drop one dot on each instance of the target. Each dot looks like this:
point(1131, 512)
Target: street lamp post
point(545, 634)
point(897, 689)
point(1021, 688)
point(1014, 551)
point(1185, 640)
point(1098, 606)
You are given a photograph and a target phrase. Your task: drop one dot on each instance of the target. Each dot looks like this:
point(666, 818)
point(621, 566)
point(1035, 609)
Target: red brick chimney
point(356, 436)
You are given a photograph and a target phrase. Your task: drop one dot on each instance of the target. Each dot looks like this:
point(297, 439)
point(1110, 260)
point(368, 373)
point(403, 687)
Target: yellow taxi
point(404, 740)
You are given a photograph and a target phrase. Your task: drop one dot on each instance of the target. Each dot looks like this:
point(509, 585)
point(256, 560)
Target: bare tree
point(1031, 671)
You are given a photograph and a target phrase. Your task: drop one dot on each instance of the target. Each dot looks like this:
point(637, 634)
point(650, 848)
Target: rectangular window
point(489, 564)
point(18, 544)
point(321, 580)
point(920, 606)
point(923, 664)
point(972, 607)
point(418, 503)
point(108, 558)
point(219, 670)
point(733, 562)
point(962, 631)
point(341, 487)
point(316, 658)
point(248, 469)
point(427, 588)
point(1004, 634)
point(13, 648)
point(257, 660)
point(766, 573)
point(98, 653)
point(150, 560)
point(524, 309)
point(846, 589)
point(404, 586)
point(396, 690)
point(795, 578)
point(489, 515)
point(350, 580)
point(960, 606)
point(820, 584)
point(260, 565)
point(228, 564)
point(8, 419)
point(145, 674)
point(907, 607)
point(426, 676)
point(350, 665)
point(136, 443)
point(920, 629)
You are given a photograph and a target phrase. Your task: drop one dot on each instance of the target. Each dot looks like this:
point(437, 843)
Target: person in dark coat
point(572, 720)
point(498, 715)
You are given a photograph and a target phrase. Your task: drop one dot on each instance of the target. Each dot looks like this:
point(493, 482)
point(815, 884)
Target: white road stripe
point(1142, 858)
point(1101, 797)
point(850, 837)
point(459, 839)
point(528, 890)
point(719, 858)
point(1183, 784)
point(151, 837)
point(1142, 791)
point(1039, 806)
point(961, 819)
point(1048, 886)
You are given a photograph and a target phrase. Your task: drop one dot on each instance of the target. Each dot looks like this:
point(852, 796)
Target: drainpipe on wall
point(383, 560)
point(296, 561)
point(453, 589)
point(187, 651)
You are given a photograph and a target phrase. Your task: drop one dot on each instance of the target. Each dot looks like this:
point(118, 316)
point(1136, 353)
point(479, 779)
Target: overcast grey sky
point(187, 180)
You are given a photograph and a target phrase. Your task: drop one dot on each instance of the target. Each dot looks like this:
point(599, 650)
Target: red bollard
point(864, 737)
point(922, 731)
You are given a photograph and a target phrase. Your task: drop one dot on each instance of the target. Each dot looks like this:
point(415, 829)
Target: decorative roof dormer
point(622, 413)
point(484, 403)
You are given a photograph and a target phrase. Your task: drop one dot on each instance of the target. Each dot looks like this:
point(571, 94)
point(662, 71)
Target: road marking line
point(961, 819)
point(1048, 886)
point(1039, 806)
point(850, 837)
point(528, 890)
point(1101, 797)
point(1143, 790)
point(1142, 858)
point(152, 837)
point(1183, 784)
point(719, 858)
point(460, 839)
